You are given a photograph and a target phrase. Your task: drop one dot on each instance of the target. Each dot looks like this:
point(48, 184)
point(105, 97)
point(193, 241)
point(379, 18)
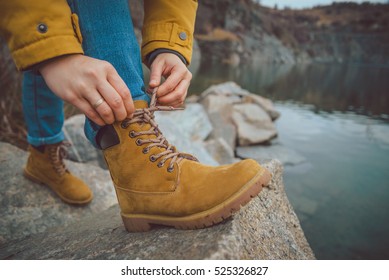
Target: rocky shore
point(215, 127)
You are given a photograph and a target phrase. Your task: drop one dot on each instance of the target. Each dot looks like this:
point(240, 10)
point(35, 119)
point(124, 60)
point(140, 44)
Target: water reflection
point(335, 87)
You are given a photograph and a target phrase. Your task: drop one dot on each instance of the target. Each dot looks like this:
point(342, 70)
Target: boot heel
point(136, 224)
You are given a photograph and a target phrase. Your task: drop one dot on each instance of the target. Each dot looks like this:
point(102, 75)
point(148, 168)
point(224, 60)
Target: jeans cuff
point(91, 129)
point(39, 141)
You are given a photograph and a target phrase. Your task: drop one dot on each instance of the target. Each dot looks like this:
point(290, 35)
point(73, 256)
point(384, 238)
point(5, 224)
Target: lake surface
point(337, 118)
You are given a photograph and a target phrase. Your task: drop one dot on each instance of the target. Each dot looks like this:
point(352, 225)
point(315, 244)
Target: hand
point(83, 81)
point(173, 91)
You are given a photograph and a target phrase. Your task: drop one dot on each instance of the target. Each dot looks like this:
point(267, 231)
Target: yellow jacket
point(37, 30)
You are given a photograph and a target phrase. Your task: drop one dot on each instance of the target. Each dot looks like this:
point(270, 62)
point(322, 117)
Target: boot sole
point(67, 200)
point(213, 216)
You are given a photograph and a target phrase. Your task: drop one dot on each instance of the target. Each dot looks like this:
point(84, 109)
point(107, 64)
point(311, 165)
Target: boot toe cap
point(76, 192)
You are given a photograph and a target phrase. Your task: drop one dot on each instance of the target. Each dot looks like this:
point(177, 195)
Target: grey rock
point(199, 150)
point(253, 124)
point(176, 132)
point(81, 150)
point(219, 109)
point(29, 208)
point(265, 104)
point(226, 89)
point(193, 121)
point(286, 155)
point(220, 151)
point(216, 96)
point(267, 228)
point(217, 103)
point(223, 128)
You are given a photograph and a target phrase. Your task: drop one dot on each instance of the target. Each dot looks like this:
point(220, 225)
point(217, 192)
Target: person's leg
point(108, 34)
point(43, 111)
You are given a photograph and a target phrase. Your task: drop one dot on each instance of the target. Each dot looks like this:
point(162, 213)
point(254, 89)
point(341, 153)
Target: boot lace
point(146, 115)
point(57, 154)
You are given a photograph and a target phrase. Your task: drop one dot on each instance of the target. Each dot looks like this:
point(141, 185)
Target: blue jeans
point(108, 34)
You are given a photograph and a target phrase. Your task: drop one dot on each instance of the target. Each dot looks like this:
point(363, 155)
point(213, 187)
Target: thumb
point(156, 74)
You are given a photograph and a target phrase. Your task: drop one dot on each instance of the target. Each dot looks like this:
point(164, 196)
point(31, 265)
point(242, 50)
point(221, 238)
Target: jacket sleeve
point(169, 24)
point(37, 30)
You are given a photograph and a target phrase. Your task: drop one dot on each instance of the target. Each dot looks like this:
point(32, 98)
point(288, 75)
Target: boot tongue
point(140, 104)
point(57, 153)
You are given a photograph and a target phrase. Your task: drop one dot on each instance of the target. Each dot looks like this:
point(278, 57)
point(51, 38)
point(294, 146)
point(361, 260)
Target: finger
point(113, 99)
point(156, 73)
point(106, 113)
point(177, 105)
point(120, 86)
point(177, 96)
point(91, 113)
point(103, 110)
point(171, 82)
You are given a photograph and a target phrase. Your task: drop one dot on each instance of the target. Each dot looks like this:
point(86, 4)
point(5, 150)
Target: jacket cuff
point(167, 36)
point(150, 57)
point(43, 50)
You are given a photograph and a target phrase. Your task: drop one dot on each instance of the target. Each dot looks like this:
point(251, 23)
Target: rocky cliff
point(235, 31)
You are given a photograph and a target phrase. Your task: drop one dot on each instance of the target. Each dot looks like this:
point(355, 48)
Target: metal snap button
point(42, 28)
point(182, 35)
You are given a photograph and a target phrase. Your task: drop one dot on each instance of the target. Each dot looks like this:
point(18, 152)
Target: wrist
point(153, 55)
point(41, 67)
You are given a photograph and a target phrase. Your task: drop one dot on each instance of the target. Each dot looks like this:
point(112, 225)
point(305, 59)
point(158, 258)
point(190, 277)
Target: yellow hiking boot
point(157, 185)
point(46, 165)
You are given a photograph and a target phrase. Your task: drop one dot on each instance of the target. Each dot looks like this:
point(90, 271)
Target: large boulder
point(253, 124)
point(264, 103)
point(238, 114)
point(218, 102)
point(267, 228)
point(233, 93)
point(226, 89)
point(223, 127)
point(29, 208)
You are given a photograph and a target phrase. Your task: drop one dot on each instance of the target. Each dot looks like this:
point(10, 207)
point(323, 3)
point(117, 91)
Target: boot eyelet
point(145, 150)
point(152, 158)
point(138, 142)
point(123, 125)
point(170, 169)
point(132, 134)
point(160, 165)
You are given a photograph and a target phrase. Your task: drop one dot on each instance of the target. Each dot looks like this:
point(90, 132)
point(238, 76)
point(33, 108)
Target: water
point(336, 116)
